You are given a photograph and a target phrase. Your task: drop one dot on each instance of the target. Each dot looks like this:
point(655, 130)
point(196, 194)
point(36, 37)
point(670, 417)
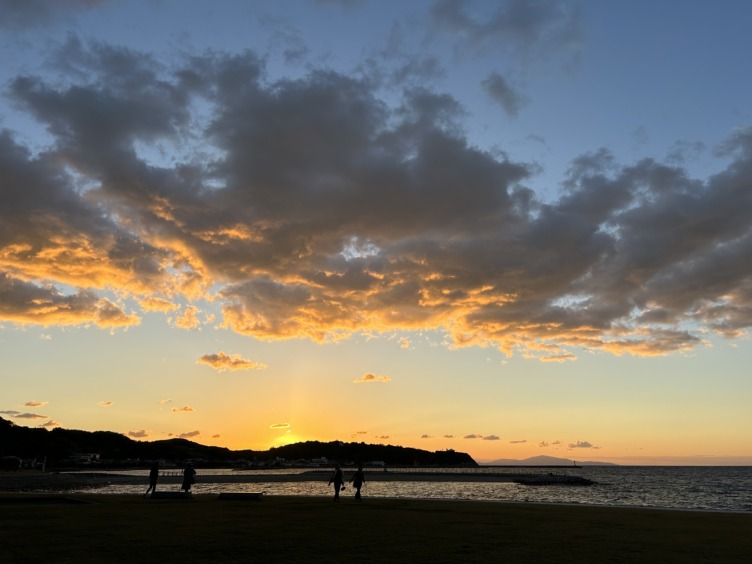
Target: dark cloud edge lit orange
point(321, 211)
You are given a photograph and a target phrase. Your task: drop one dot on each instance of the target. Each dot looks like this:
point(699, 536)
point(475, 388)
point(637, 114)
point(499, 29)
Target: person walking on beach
point(153, 477)
point(189, 478)
point(357, 481)
point(338, 479)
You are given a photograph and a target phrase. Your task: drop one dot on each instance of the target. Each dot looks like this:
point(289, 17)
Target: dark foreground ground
point(38, 528)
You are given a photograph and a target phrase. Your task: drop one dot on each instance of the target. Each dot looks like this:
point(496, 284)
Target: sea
point(703, 488)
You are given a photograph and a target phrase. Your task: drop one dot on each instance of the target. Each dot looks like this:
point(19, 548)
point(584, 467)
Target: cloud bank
point(315, 208)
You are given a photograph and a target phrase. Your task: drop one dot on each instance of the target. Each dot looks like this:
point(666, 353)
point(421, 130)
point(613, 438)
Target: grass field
point(315, 529)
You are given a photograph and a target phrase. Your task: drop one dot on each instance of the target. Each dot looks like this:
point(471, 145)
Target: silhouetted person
point(189, 478)
point(338, 479)
point(357, 481)
point(153, 477)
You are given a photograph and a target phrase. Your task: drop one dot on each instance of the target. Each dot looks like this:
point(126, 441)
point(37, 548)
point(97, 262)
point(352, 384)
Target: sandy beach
point(202, 528)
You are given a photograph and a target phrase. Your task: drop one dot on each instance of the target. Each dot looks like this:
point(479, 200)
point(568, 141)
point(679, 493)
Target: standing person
point(189, 478)
point(357, 481)
point(338, 479)
point(153, 477)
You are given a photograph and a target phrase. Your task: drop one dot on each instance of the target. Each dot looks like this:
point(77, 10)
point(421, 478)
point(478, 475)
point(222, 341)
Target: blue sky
point(508, 228)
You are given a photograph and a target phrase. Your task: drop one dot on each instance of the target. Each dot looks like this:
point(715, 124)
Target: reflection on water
point(713, 488)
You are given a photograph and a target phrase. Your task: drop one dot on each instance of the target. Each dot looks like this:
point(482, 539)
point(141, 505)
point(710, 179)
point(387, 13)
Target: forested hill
point(362, 452)
point(59, 445)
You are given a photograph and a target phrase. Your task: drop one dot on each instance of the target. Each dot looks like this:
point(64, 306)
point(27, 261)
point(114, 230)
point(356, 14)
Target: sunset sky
point(510, 228)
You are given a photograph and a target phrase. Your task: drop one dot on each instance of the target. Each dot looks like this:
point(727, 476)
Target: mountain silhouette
point(543, 460)
point(58, 445)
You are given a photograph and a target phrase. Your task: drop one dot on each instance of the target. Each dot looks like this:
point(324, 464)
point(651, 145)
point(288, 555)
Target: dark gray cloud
point(315, 208)
point(31, 416)
point(503, 93)
point(581, 444)
point(25, 302)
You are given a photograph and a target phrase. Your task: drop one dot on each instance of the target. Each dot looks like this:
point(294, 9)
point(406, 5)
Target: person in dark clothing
point(189, 478)
point(338, 479)
point(357, 481)
point(153, 477)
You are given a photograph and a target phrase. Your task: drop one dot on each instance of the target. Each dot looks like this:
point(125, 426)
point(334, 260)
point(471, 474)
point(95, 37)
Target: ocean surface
point(713, 488)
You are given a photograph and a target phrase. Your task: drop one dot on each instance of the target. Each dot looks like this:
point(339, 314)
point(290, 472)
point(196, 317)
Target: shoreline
point(37, 484)
point(12, 481)
point(22, 497)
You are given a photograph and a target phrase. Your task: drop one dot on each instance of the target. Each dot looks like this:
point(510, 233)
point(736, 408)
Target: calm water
point(678, 487)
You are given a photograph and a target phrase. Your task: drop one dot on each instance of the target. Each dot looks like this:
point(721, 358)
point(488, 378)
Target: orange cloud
point(184, 409)
point(189, 319)
point(221, 362)
point(36, 403)
point(368, 377)
point(106, 403)
point(157, 304)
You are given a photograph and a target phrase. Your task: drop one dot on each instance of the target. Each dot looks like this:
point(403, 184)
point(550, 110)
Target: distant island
point(544, 461)
point(60, 447)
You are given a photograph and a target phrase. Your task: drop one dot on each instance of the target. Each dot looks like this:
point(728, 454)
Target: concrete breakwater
point(35, 481)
